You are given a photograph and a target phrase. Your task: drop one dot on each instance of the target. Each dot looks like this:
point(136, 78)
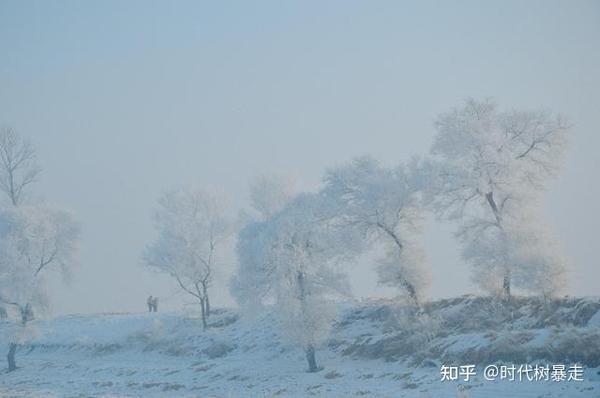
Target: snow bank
point(376, 349)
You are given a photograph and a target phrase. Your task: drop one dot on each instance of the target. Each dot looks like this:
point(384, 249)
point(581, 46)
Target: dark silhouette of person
point(150, 303)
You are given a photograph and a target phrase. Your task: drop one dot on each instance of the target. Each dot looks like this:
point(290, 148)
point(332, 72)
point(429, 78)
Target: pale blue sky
point(124, 99)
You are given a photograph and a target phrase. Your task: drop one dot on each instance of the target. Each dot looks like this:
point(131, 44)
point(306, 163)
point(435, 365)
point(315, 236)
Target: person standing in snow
point(150, 303)
point(155, 304)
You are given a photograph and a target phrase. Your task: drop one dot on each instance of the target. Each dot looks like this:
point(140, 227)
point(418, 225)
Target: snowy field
point(168, 355)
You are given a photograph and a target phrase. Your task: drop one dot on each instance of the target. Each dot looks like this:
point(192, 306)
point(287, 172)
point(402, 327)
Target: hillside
point(376, 349)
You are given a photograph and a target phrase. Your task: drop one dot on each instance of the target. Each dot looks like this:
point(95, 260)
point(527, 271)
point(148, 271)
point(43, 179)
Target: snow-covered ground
point(369, 354)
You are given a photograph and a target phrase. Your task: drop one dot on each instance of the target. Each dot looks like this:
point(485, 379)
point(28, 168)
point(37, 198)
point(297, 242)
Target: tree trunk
point(506, 280)
point(490, 198)
point(506, 285)
point(410, 288)
point(206, 302)
point(26, 314)
point(412, 292)
point(310, 349)
point(12, 365)
point(310, 358)
point(203, 311)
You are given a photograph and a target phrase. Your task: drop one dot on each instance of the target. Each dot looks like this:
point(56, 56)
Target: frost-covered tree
point(535, 259)
point(34, 240)
point(250, 282)
point(192, 226)
point(18, 167)
point(306, 246)
point(270, 193)
point(383, 205)
point(489, 168)
point(300, 248)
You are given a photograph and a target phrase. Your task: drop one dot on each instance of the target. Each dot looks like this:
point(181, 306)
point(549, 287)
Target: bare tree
point(18, 167)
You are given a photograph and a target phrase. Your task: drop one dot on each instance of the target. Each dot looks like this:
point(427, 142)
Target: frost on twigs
point(488, 170)
point(192, 225)
point(293, 260)
point(384, 206)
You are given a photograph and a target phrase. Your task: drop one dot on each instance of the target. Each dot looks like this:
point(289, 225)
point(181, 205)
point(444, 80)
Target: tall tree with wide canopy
point(300, 250)
point(384, 206)
point(488, 171)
